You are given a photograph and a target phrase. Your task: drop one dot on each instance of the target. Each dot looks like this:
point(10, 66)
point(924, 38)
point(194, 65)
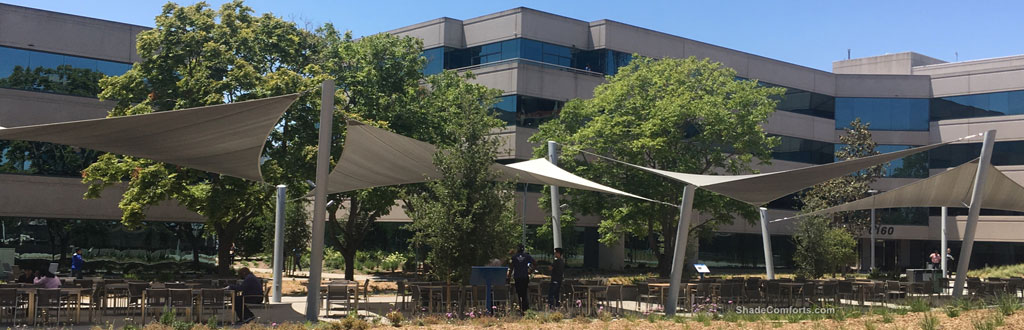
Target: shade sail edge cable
point(551, 172)
point(774, 185)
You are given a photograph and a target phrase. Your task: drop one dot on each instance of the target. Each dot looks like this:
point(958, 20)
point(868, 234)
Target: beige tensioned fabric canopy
point(759, 189)
point(373, 157)
point(951, 188)
point(225, 139)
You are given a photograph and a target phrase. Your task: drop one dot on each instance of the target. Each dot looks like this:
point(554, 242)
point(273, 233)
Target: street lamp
point(872, 229)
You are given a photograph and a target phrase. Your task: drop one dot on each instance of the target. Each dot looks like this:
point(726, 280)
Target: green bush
point(929, 322)
point(393, 261)
point(918, 305)
point(1007, 304)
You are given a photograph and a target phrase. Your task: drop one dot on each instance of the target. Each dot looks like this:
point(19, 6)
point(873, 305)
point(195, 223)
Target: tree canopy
point(684, 115)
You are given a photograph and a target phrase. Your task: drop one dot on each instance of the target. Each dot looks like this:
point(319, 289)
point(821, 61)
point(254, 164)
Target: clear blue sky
point(810, 33)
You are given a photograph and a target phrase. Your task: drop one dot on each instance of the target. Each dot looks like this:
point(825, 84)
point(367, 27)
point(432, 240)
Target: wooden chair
point(9, 302)
point(212, 300)
point(154, 300)
point(46, 300)
point(180, 299)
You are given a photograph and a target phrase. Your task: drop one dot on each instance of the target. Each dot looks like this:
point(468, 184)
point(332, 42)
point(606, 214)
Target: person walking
point(77, 263)
point(949, 262)
point(557, 274)
point(252, 293)
point(522, 265)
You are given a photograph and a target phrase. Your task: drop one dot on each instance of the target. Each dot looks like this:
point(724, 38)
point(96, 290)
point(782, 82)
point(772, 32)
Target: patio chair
point(135, 290)
point(175, 285)
point(365, 290)
point(337, 294)
point(829, 292)
point(752, 289)
point(613, 295)
point(9, 302)
point(154, 302)
point(772, 291)
point(844, 289)
point(47, 300)
point(261, 301)
point(893, 290)
point(181, 299)
point(502, 297)
point(644, 296)
point(214, 301)
point(401, 293)
point(809, 293)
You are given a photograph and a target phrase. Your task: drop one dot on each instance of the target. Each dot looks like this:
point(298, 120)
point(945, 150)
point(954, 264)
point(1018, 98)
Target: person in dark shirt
point(557, 274)
point(522, 265)
point(27, 276)
point(252, 293)
point(77, 263)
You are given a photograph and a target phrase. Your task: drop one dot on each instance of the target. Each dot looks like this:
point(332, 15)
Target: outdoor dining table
point(689, 287)
point(863, 288)
point(31, 293)
point(591, 289)
point(995, 287)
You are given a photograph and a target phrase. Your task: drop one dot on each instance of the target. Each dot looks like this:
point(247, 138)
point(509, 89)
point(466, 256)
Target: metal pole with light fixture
point(766, 240)
point(556, 211)
point(279, 220)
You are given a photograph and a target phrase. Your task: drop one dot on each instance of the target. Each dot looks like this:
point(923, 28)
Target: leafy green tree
point(684, 115)
point(827, 243)
point(197, 56)
point(465, 218)
point(380, 76)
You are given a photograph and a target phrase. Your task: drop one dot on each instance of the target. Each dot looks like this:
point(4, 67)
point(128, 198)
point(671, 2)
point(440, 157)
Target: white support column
point(679, 255)
point(323, 158)
point(943, 245)
point(279, 243)
point(556, 205)
point(973, 212)
point(766, 239)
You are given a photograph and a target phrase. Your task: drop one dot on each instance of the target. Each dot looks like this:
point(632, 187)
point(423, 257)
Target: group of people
point(46, 279)
point(522, 265)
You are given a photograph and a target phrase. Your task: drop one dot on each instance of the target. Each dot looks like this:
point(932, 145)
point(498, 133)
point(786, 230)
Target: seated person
point(47, 280)
point(252, 292)
point(27, 277)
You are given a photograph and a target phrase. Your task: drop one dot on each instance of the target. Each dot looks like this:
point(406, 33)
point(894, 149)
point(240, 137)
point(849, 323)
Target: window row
point(55, 73)
point(884, 114)
point(977, 105)
point(600, 60)
point(912, 166)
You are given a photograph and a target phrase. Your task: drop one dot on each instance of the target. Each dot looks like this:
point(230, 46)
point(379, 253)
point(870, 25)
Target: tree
point(826, 243)
point(197, 56)
point(380, 76)
point(684, 115)
point(465, 218)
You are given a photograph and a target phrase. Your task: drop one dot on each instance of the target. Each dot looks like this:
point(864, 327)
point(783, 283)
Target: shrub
point(952, 311)
point(393, 261)
point(929, 322)
point(554, 317)
point(395, 317)
point(1007, 304)
point(918, 305)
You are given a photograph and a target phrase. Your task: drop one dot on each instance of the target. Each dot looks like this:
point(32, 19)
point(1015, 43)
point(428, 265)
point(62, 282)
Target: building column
point(612, 257)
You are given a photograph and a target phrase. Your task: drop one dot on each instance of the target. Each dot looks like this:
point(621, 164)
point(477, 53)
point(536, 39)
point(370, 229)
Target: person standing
point(949, 262)
point(77, 263)
point(252, 293)
point(297, 259)
point(935, 260)
point(522, 265)
point(557, 274)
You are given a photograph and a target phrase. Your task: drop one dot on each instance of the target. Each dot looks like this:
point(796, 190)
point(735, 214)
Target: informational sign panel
point(702, 268)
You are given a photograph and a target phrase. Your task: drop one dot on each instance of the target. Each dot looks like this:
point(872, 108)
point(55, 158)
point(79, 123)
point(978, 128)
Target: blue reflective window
point(54, 73)
point(803, 150)
point(913, 166)
point(1004, 153)
point(977, 105)
point(526, 111)
point(602, 60)
point(807, 103)
point(884, 114)
point(435, 60)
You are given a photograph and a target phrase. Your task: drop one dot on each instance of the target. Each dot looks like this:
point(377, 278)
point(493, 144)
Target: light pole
point(872, 230)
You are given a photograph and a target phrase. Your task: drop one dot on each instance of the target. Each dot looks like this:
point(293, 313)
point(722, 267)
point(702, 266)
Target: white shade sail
point(759, 189)
point(373, 157)
point(225, 139)
point(951, 188)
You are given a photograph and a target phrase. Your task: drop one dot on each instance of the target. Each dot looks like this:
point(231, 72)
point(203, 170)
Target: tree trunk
point(350, 263)
point(665, 258)
point(224, 257)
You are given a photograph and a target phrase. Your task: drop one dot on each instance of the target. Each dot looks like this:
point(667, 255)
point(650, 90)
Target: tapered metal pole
point(679, 255)
point(943, 245)
point(526, 187)
point(556, 205)
point(323, 157)
point(973, 212)
point(766, 240)
point(279, 243)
